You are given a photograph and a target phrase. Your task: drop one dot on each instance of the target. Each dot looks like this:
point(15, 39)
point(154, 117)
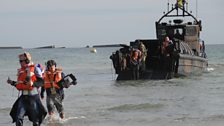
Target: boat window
point(178, 33)
point(191, 31)
point(162, 32)
point(171, 32)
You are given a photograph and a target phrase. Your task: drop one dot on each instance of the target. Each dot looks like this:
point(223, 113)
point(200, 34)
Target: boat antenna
point(196, 8)
point(168, 4)
point(183, 3)
point(187, 5)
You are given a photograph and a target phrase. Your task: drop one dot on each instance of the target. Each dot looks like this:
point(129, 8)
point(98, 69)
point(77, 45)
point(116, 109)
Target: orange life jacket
point(22, 75)
point(51, 79)
point(135, 55)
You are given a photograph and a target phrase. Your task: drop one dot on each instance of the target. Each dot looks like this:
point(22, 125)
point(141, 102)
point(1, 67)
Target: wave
point(57, 121)
point(136, 107)
point(209, 69)
point(215, 67)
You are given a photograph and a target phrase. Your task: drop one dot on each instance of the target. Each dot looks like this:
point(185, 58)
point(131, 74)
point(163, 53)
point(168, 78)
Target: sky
point(78, 23)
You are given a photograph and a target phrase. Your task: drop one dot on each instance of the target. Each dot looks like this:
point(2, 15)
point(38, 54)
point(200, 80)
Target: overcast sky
point(77, 23)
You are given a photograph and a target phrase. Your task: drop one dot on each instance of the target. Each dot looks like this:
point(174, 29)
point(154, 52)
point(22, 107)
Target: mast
point(168, 4)
point(196, 8)
point(182, 6)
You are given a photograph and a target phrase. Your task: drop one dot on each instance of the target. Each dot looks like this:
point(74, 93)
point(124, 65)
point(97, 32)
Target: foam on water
point(57, 119)
point(210, 69)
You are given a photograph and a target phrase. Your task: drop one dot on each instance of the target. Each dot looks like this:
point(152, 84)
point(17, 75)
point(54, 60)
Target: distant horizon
point(87, 45)
point(56, 47)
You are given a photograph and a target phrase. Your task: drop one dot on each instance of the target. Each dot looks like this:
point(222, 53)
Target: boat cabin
point(178, 31)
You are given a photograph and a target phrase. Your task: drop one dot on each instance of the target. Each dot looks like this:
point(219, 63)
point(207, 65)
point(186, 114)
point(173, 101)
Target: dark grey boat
point(185, 54)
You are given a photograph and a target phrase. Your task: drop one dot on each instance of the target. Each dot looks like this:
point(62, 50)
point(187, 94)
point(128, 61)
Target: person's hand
point(9, 81)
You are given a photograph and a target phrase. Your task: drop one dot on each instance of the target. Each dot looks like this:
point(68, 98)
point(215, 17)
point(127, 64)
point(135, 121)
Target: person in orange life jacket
point(135, 59)
point(29, 103)
point(54, 91)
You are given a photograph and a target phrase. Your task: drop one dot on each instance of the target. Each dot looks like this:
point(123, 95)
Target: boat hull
point(187, 66)
point(191, 65)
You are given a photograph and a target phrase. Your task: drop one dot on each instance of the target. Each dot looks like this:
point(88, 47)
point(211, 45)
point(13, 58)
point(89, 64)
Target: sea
point(99, 100)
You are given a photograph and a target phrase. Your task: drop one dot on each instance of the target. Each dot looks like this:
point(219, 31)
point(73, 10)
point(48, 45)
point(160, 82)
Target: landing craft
point(177, 51)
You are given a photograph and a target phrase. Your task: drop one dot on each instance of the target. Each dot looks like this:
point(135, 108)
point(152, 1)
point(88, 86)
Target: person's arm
point(39, 82)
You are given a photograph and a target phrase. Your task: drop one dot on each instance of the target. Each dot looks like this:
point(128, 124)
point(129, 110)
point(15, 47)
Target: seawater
point(99, 100)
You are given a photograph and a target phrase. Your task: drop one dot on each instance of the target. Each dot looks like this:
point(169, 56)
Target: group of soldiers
point(130, 59)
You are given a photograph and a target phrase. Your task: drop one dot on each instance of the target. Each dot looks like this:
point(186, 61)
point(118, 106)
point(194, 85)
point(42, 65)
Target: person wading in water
point(55, 92)
point(29, 103)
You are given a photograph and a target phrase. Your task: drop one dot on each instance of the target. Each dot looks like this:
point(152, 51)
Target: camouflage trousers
point(54, 101)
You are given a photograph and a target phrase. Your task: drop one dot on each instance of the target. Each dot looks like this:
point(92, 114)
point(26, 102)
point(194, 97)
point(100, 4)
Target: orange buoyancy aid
point(23, 73)
point(51, 79)
point(135, 55)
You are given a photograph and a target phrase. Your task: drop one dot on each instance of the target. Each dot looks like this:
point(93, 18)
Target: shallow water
point(99, 100)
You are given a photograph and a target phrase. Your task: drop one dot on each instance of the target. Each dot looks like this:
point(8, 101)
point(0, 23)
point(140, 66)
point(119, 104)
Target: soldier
point(144, 51)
